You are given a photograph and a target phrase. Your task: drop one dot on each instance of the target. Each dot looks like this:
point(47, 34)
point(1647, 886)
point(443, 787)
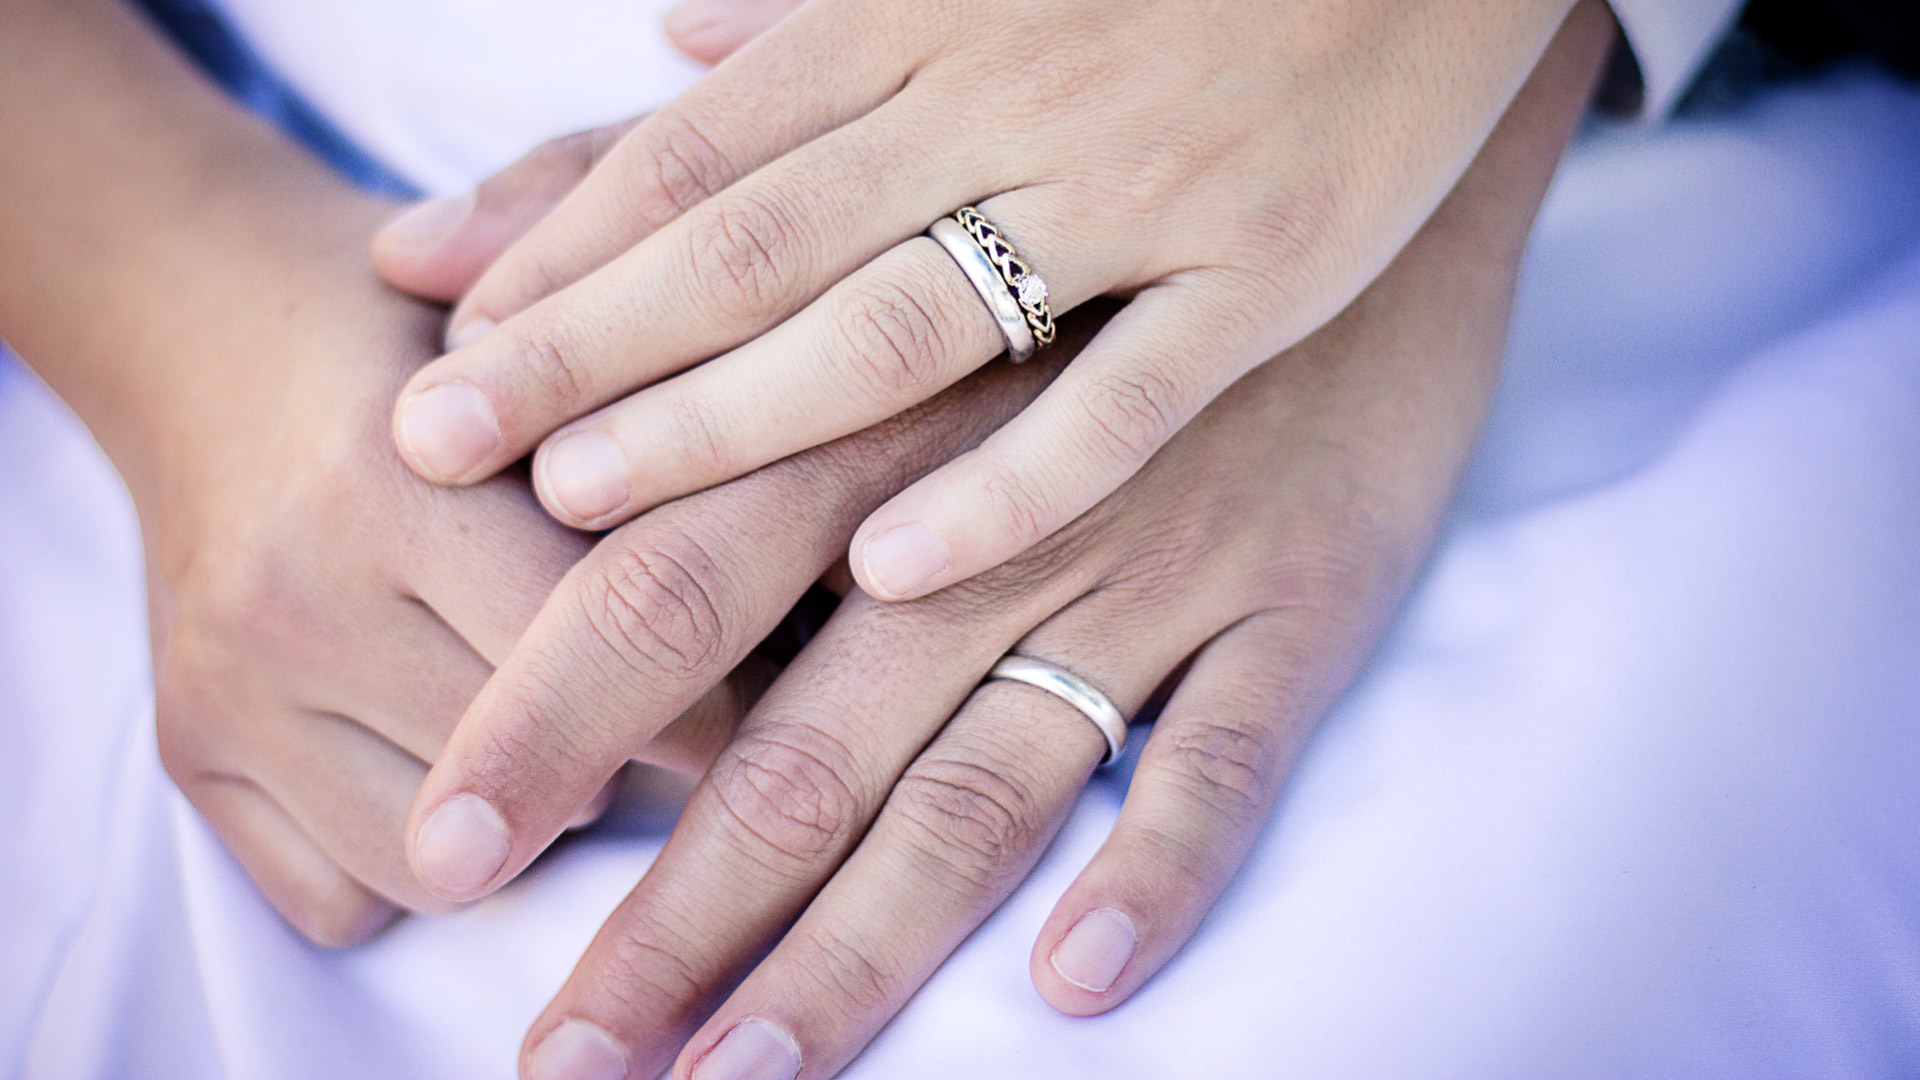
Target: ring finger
point(890, 335)
point(960, 830)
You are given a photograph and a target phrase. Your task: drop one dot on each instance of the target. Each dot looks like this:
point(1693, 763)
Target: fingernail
point(577, 1050)
point(1095, 951)
point(584, 474)
point(460, 846)
point(427, 223)
point(903, 559)
point(449, 429)
point(690, 17)
point(755, 1049)
point(466, 332)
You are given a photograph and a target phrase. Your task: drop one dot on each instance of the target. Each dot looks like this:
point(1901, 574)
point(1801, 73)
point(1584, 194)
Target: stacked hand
point(1166, 516)
point(879, 800)
point(741, 276)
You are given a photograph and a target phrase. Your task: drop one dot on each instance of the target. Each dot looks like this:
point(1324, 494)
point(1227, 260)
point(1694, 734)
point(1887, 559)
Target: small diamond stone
point(1031, 290)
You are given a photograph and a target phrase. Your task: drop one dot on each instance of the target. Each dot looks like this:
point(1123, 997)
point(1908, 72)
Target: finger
point(960, 830)
point(408, 678)
point(768, 823)
point(726, 271)
point(709, 31)
point(892, 334)
point(438, 248)
point(1201, 792)
point(783, 92)
point(348, 789)
point(649, 621)
point(319, 899)
point(1146, 374)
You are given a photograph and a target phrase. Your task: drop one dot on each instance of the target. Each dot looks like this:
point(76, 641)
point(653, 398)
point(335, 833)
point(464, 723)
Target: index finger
point(651, 619)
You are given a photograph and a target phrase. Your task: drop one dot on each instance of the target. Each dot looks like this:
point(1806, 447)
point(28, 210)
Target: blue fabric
point(203, 34)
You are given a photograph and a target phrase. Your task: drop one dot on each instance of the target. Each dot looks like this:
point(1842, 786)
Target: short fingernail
point(466, 332)
point(427, 223)
point(691, 17)
point(449, 429)
point(755, 1049)
point(903, 559)
point(461, 846)
point(577, 1050)
point(584, 474)
point(1096, 950)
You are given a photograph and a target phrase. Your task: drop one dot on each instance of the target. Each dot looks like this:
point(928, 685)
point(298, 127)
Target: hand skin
point(1238, 171)
point(197, 290)
point(878, 802)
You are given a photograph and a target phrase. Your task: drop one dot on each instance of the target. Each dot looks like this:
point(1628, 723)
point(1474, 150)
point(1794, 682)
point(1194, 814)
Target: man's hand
point(197, 289)
point(879, 801)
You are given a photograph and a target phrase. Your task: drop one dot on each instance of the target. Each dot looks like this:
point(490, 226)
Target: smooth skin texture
point(743, 275)
point(197, 289)
point(878, 802)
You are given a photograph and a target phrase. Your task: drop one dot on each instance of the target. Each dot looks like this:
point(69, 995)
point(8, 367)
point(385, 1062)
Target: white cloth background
point(1630, 791)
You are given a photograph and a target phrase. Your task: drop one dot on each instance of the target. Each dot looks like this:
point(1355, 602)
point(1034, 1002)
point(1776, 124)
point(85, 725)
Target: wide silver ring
point(1001, 303)
point(1073, 690)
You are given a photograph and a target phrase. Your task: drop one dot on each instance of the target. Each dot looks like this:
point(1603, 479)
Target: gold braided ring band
point(1026, 285)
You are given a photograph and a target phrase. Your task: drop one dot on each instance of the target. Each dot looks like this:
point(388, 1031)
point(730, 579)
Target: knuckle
point(645, 971)
point(679, 162)
point(743, 253)
point(1132, 412)
point(976, 819)
point(892, 340)
point(655, 609)
point(550, 361)
point(699, 435)
point(1227, 766)
point(787, 787)
point(856, 984)
point(1025, 511)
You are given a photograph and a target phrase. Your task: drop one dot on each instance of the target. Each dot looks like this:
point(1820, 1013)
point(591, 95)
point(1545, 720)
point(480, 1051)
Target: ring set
point(1014, 294)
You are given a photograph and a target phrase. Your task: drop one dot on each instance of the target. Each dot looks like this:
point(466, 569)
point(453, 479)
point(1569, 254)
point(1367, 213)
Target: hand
point(878, 802)
point(742, 276)
point(321, 617)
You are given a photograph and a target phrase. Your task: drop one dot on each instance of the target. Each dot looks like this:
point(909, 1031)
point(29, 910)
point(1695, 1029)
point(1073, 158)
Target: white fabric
point(1670, 39)
point(1628, 793)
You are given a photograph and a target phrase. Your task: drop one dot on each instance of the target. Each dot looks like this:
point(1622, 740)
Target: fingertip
point(460, 847)
point(1084, 971)
point(901, 562)
point(582, 478)
point(446, 432)
point(412, 250)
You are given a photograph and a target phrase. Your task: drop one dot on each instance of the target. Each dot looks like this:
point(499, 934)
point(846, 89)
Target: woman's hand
point(742, 276)
point(879, 800)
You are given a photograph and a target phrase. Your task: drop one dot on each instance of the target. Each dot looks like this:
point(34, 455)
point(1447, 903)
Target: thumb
point(710, 30)
point(437, 248)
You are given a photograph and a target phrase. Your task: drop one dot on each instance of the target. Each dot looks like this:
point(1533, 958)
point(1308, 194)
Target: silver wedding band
point(1001, 302)
point(1073, 690)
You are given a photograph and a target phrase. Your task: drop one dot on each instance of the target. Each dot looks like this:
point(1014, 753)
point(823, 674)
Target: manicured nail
point(449, 429)
point(690, 17)
point(1095, 951)
point(577, 1050)
point(461, 846)
point(427, 223)
point(584, 474)
point(755, 1049)
point(904, 558)
point(466, 332)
